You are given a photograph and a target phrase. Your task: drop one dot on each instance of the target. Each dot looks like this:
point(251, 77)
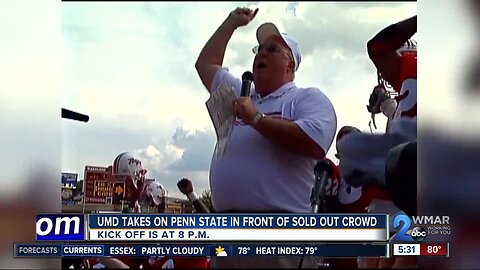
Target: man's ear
point(291, 66)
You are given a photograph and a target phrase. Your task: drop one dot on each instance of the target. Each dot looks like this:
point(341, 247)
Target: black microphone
point(247, 79)
point(323, 170)
point(68, 114)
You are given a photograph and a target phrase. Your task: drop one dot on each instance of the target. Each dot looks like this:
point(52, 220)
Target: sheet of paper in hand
point(220, 108)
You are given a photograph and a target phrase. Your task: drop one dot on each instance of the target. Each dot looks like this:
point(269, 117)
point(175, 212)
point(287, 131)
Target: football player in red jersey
point(395, 57)
point(331, 189)
point(353, 199)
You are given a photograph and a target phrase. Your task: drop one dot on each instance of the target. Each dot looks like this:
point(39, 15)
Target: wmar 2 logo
point(402, 223)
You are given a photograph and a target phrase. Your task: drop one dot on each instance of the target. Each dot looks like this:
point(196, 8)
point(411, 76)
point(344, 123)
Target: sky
point(130, 66)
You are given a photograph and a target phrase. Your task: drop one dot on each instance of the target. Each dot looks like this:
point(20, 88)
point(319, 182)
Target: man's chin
point(260, 75)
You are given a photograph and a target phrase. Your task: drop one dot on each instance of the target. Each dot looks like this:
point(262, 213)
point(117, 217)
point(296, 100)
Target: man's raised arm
point(211, 57)
point(186, 187)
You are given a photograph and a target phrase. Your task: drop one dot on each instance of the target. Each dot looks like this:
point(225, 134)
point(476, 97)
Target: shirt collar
point(277, 93)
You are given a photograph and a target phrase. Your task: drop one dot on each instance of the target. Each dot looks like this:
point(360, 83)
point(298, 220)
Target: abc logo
point(418, 234)
point(402, 223)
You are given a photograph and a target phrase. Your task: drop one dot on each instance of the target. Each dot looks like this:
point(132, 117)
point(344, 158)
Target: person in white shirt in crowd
point(282, 130)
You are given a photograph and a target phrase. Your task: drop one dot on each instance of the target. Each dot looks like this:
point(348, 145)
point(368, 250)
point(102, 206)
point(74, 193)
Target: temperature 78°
point(243, 250)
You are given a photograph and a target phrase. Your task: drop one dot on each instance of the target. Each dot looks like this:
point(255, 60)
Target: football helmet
point(156, 191)
point(126, 164)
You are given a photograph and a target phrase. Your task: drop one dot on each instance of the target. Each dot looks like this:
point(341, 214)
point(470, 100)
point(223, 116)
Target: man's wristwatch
point(257, 118)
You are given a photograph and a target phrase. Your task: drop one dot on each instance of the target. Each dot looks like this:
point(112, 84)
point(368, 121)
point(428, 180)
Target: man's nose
point(262, 52)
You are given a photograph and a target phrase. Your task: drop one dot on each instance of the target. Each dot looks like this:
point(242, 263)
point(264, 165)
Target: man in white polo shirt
point(282, 130)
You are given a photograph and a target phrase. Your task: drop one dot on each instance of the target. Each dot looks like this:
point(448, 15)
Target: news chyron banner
point(200, 250)
point(362, 235)
point(212, 227)
point(234, 227)
point(203, 235)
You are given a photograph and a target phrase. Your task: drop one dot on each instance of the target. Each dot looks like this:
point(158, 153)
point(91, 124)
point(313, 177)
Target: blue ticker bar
point(200, 250)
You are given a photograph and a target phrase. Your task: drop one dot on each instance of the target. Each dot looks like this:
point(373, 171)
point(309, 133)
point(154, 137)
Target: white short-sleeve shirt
point(256, 175)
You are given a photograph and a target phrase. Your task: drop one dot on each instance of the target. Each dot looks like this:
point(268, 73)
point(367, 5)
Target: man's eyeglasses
point(271, 48)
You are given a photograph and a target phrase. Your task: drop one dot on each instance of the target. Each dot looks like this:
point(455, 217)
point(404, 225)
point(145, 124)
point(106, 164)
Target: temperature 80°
point(433, 249)
point(193, 234)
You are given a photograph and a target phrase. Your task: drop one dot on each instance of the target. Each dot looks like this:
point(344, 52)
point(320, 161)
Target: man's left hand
point(244, 109)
